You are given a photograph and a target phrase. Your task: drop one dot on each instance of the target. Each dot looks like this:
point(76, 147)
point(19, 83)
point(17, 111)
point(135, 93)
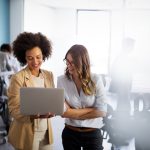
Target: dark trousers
point(73, 140)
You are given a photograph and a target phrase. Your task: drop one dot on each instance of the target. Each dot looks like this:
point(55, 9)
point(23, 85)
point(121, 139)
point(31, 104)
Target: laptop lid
point(35, 100)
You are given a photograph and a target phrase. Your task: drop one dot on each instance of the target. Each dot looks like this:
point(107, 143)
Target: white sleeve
point(101, 99)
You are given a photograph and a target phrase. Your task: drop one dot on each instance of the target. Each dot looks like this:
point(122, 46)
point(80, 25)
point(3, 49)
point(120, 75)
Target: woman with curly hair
point(30, 132)
point(85, 102)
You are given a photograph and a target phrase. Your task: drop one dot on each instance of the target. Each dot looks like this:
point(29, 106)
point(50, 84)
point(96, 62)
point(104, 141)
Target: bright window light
point(93, 31)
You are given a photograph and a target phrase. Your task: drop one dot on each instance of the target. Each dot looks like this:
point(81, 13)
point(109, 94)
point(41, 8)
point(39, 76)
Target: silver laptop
point(35, 101)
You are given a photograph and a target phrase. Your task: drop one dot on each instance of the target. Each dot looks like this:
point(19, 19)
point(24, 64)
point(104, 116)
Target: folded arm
point(83, 113)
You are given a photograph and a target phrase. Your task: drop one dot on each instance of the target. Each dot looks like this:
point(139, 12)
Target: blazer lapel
point(27, 78)
point(48, 80)
point(29, 82)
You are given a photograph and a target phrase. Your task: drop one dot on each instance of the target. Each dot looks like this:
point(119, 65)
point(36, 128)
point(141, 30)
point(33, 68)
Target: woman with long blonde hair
point(85, 102)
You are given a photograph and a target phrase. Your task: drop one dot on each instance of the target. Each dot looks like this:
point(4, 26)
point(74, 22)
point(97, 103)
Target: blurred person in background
point(121, 76)
point(13, 63)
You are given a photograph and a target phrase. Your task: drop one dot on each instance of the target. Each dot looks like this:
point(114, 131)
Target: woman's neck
point(35, 72)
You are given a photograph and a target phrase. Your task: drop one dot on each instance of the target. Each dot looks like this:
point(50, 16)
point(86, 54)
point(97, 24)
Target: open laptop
point(35, 101)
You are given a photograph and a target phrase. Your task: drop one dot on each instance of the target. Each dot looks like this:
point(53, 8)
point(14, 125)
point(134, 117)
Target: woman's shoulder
point(95, 76)
point(61, 77)
point(18, 75)
point(99, 78)
point(47, 72)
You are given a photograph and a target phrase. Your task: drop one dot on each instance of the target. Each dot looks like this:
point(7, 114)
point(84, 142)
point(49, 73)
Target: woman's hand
point(34, 116)
point(67, 105)
point(48, 115)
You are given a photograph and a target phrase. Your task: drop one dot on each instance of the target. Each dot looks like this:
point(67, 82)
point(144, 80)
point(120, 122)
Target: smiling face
point(78, 62)
point(70, 65)
point(34, 60)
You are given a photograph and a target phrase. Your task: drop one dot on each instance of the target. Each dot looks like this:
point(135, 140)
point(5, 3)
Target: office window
point(93, 30)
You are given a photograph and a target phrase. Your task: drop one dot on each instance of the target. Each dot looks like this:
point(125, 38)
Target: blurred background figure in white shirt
point(121, 75)
point(8, 65)
point(13, 63)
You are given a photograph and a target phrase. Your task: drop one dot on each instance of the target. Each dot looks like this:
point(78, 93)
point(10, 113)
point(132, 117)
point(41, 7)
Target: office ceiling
point(96, 4)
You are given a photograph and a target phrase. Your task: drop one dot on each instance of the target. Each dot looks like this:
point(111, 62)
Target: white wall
point(38, 18)
point(64, 37)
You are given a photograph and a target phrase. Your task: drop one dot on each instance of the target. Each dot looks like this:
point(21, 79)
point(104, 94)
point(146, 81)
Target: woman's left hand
point(48, 115)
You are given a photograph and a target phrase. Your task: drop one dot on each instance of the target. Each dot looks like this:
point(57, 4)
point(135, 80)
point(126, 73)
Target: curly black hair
point(26, 41)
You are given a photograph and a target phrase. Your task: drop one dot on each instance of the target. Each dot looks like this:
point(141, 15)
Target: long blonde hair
point(81, 61)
